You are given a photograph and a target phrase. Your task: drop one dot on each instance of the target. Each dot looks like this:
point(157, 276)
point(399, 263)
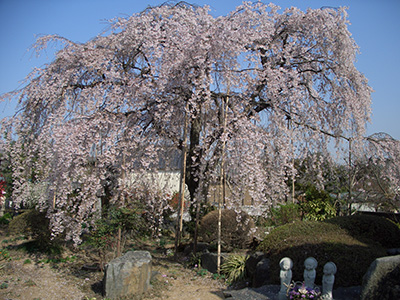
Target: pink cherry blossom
point(118, 101)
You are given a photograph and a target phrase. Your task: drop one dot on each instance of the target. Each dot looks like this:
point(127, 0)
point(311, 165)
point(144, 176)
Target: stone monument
point(128, 275)
point(310, 264)
point(327, 281)
point(286, 265)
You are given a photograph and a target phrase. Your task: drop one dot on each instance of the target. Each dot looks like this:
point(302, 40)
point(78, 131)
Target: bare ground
point(28, 276)
point(37, 277)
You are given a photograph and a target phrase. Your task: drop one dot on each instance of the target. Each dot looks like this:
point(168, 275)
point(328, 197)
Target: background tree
point(367, 175)
point(119, 100)
point(376, 173)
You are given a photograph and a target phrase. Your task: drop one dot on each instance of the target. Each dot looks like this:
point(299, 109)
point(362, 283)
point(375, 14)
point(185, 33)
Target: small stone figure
point(310, 264)
point(327, 280)
point(286, 265)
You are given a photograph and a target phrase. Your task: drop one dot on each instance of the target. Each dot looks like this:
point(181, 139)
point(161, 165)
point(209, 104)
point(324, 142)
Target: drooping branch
point(123, 96)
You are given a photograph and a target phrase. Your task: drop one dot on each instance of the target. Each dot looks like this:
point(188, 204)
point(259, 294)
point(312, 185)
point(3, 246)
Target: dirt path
point(30, 281)
point(187, 284)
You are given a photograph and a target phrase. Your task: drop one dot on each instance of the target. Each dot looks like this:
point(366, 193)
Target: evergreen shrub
point(5, 219)
point(325, 242)
point(34, 224)
point(317, 205)
point(368, 227)
point(236, 229)
point(284, 214)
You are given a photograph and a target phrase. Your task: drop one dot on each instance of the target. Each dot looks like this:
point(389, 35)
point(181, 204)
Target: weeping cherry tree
point(121, 100)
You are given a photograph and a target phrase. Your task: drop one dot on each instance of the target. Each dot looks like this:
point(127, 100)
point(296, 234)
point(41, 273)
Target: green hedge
point(370, 228)
point(352, 243)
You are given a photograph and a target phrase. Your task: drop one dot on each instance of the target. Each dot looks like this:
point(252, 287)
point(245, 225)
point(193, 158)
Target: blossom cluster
point(298, 291)
point(257, 88)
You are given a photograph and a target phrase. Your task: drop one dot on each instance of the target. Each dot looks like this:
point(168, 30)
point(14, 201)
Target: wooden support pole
point(179, 224)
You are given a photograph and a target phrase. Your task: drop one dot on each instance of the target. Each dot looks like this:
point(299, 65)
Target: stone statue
point(286, 265)
point(310, 264)
point(327, 281)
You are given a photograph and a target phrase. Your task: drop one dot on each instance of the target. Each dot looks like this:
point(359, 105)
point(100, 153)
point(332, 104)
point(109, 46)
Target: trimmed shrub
point(325, 242)
point(30, 223)
point(367, 227)
point(235, 228)
point(35, 224)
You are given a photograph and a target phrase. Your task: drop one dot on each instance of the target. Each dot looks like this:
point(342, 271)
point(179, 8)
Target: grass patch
point(3, 285)
point(58, 260)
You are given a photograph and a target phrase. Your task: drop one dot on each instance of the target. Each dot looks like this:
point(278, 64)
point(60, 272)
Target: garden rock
point(209, 261)
point(382, 280)
point(261, 275)
point(128, 275)
point(251, 263)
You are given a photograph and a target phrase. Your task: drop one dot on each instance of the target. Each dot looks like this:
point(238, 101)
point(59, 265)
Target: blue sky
point(375, 25)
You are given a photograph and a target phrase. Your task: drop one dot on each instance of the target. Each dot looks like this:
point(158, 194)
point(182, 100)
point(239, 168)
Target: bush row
point(352, 243)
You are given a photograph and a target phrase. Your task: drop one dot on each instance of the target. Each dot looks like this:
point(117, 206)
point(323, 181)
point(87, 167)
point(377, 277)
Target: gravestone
point(128, 275)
